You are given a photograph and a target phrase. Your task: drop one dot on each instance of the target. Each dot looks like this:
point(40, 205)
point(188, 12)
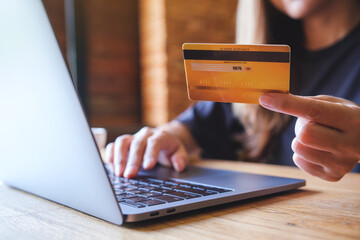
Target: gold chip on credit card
point(235, 73)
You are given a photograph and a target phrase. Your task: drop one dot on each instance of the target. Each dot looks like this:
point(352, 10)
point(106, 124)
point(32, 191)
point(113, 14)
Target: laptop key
point(125, 183)
point(155, 180)
point(168, 198)
point(145, 182)
point(137, 199)
point(152, 202)
point(157, 190)
point(150, 194)
point(148, 188)
point(155, 185)
point(119, 198)
point(171, 183)
point(135, 191)
point(219, 190)
point(184, 189)
point(160, 190)
point(125, 188)
point(141, 185)
point(184, 195)
point(126, 196)
point(123, 197)
point(133, 204)
point(118, 191)
point(191, 190)
point(208, 192)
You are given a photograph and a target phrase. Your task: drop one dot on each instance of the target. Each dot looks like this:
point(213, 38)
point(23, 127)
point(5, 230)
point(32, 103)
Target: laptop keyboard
point(146, 191)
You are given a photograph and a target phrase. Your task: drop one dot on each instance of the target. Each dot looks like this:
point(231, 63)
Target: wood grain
point(112, 65)
point(164, 26)
point(121, 34)
point(56, 13)
point(321, 210)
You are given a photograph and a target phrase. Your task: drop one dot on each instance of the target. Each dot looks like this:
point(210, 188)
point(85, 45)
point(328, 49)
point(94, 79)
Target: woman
point(324, 36)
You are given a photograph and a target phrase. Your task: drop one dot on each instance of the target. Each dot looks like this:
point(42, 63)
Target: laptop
point(47, 148)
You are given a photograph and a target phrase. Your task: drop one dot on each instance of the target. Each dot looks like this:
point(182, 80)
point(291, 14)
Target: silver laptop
point(47, 148)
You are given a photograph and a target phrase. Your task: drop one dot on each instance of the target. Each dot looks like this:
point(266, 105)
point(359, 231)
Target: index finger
point(319, 111)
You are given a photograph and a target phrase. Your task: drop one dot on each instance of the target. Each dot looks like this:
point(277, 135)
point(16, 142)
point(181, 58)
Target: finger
point(180, 159)
point(323, 112)
point(334, 100)
point(164, 159)
point(109, 153)
point(163, 142)
point(330, 99)
point(315, 156)
point(121, 150)
point(300, 123)
point(157, 142)
point(334, 165)
point(136, 153)
point(109, 156)
point(319, 136)
point(313, 169)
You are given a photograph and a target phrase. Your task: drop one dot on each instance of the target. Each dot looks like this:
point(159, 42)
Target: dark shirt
point(332, 71)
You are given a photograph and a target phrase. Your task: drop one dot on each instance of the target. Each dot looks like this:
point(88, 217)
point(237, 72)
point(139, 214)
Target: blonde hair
point(260, 124)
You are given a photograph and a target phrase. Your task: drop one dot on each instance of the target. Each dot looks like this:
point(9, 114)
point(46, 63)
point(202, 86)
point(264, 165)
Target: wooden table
point(321, 210)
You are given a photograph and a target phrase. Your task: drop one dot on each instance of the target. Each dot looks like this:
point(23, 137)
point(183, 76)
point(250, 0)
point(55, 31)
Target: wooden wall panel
point(113, 30)
point(55, 12)
point(153, 61)
point(113, 69)
point(164, 26)
point(113, 92)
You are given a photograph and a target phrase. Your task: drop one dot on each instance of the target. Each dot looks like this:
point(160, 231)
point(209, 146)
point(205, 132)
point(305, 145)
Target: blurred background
point(125, 55)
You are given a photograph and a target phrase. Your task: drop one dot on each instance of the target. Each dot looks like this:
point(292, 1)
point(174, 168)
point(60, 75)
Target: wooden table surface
point(321, 210)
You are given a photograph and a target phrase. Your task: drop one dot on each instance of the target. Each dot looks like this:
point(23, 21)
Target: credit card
point(235, 73)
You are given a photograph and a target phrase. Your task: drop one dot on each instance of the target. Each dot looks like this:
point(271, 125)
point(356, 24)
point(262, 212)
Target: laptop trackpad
point(194, 174)
point(220, 178)
point(190, 172)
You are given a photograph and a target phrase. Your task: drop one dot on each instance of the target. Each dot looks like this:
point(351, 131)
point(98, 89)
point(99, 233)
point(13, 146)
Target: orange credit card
point(235, 73)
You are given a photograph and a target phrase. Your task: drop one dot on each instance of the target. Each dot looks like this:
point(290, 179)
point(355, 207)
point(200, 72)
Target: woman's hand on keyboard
point(145, 148)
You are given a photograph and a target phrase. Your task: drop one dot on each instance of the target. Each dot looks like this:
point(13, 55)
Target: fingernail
point(110, 167)
point(147, 162)
point(117, 171)
point(122, 170)
point(182, 165)
point(130, 172)
point(293, 144)
point(176, 166)
point(179, 165)
point(266, 101)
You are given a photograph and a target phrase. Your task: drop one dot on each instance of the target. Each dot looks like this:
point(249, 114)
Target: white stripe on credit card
point(213, 67)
